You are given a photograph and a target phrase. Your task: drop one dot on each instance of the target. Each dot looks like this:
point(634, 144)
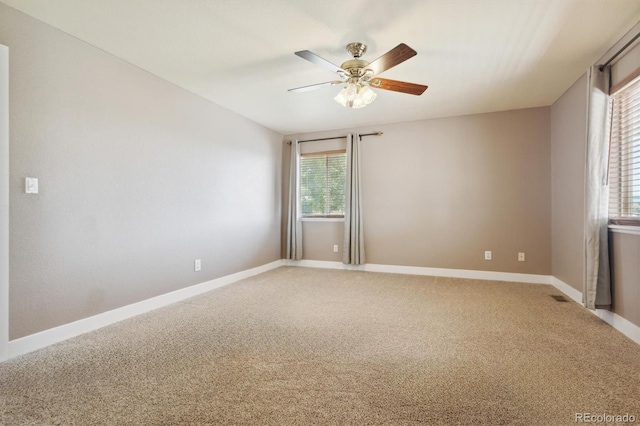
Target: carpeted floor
point(310, 346)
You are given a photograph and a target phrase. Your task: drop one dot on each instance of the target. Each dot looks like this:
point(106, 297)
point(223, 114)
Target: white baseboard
point(58, 334)
point(436, 272)
point(576, 295)
point(621, 324)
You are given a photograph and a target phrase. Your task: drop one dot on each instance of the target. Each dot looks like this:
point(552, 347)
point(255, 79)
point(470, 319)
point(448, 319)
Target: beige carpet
point(310, 346)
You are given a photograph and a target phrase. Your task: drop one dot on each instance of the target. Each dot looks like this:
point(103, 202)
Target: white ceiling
point(475, 55)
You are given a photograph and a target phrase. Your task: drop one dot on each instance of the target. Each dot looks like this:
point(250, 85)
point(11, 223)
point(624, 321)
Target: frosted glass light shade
point(355, 95)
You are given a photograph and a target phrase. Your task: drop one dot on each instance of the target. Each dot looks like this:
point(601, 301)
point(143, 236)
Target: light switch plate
point(31, 185)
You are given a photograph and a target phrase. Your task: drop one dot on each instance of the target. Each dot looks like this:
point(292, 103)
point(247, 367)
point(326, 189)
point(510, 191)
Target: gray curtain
point(294, 224)
point(597, 285)
point(353, 247)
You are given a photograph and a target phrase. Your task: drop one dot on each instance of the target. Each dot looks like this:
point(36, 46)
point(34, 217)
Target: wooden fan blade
point(395, 56)
point(312, 57)
point(314, 86)
point(398, 86)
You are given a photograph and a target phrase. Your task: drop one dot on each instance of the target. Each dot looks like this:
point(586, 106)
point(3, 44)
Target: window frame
point(323, 217)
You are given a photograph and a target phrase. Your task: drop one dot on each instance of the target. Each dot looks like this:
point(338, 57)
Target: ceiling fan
point(359, 76)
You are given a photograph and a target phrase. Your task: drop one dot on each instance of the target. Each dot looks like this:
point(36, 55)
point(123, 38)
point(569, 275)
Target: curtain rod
point(601, 67)
point(337, 137)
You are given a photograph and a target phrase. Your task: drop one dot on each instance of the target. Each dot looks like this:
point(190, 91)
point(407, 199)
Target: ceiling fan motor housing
point(355, 67)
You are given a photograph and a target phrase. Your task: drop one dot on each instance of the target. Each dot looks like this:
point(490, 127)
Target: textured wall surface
point(4, 200)
point(438, 193)
point(568, 136)
point(625, 273)
point(137, 179)
point(626, 65)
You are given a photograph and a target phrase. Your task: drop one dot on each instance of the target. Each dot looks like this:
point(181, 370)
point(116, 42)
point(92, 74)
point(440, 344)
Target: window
point(322, 180)
point(624, 156)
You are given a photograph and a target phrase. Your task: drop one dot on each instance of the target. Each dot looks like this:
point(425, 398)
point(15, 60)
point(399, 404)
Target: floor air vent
point(559, 298)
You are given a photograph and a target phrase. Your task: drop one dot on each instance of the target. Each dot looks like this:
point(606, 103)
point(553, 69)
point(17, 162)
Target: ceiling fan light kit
point(355, 95)
point(359, 75)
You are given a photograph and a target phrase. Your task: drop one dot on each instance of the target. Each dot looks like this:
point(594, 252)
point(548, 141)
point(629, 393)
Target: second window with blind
point(322, 184)
point(624, 156)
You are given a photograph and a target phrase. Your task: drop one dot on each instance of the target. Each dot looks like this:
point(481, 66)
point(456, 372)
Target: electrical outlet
point(197, 265)
point(335, 248)
point(520, 257)
point(487, 255)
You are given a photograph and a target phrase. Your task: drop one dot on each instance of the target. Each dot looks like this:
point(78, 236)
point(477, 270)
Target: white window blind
point(624, 156)
point(322, 180)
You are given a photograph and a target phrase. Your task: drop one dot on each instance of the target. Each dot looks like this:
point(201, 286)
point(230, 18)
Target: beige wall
point(568, 136)
point(625, 273)
point(438, 193)
point(137, 179)
point(625, 65)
